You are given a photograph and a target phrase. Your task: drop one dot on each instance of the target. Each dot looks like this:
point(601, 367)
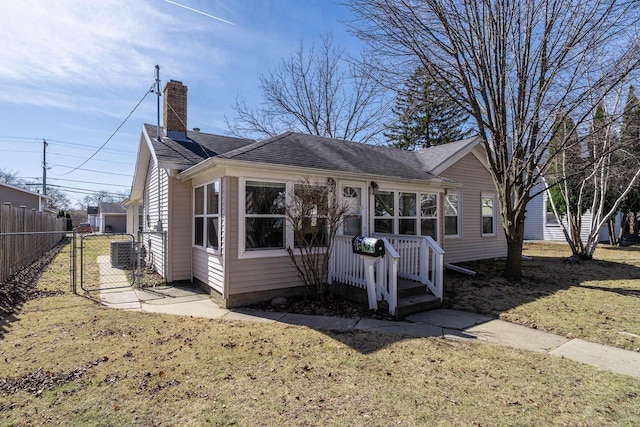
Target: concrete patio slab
point(124, 298)
point(601, 356)
point(452, 319)
point(515, 336)
point(195, 308)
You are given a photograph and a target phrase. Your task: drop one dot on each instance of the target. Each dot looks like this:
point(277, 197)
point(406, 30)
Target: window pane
point(312, 231)
point(383, 226)
point(384, 203)
point(264, 197)
point(198, 237)
point(451, 225)
point(212, 233)
point(487, 225)
point(264, 233)
point(451, 204)
point(428, 228)
point(487, 206)
point(407, 204)
point(213, 194)
point(407, 226)
point(199, 200)
point(352, 225)
point(429, 205)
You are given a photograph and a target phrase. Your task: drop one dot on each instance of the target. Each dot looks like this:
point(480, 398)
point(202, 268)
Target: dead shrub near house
point(315, 214)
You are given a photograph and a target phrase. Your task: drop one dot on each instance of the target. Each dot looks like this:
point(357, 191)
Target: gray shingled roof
point(303, 150)
point(433, 157)
point(111, 208)
point(199, 146)
point(308, 151)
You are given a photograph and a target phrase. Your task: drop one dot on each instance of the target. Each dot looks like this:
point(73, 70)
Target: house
point(20, 197)
point(218, 202)
point(541, 223)
point(92, 217)
point(111, 218)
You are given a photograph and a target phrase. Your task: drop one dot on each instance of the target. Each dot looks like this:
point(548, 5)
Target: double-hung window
point(488, 214)
point(264, 215)
point(452, 214)
point(206, 213)
point(352, 220)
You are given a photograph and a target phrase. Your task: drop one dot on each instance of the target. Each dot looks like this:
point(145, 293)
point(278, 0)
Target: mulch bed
point(332, 305)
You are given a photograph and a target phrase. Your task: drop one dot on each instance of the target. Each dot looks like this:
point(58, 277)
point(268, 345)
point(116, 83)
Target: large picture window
point(311, 202)
point(452, 214)
point(206, 213)
point(264, 215)
point(488, 215)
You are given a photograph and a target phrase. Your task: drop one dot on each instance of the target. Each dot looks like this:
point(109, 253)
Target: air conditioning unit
point(121, 253)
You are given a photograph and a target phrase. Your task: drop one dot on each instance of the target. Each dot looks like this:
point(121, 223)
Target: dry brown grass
point(596, 300)
point(66, 360)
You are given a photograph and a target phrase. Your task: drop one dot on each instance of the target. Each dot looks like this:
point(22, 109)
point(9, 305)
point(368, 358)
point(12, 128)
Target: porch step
point(415, 304)
point(407, 288)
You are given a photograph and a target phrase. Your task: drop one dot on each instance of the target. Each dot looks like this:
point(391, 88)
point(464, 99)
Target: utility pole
point(158, 96)
point(44, 167)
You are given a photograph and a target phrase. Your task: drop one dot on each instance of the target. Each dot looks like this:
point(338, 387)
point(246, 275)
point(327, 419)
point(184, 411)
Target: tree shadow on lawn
point(490, 293)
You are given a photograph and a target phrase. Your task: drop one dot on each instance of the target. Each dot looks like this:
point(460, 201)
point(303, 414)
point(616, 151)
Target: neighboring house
point(20, 197)
point(218, 200)
point(92, 217)
point(112, 218)
point(541, 224)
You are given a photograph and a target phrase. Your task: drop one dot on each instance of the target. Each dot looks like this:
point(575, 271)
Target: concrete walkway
point(448, 324)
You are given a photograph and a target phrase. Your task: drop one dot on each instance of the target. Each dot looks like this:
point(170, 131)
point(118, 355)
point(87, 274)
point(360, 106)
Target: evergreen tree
point(426, 115)
point(630, 149)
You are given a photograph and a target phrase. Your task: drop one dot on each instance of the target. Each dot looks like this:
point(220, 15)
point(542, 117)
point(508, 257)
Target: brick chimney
point(175, 108)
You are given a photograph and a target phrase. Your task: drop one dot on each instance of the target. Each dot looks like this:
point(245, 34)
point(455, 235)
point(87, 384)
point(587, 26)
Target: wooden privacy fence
point(25, 235)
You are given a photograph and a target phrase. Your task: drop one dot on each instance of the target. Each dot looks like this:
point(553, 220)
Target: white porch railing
point(421, 259)
point(415, 258)
point(348, 268)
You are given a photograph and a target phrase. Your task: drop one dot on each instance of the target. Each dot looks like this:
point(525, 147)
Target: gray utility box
point(121, 253)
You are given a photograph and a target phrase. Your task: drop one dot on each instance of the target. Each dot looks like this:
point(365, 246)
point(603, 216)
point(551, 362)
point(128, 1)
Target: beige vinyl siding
point(255, 274)
point(155, 207)
point(179, 230)
point(19, 198)
point(471, 244)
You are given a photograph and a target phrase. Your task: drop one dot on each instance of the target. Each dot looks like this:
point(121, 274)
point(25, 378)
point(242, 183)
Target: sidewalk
point(448, 324)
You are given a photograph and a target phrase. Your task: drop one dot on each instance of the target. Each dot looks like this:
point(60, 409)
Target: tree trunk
point(515, 239)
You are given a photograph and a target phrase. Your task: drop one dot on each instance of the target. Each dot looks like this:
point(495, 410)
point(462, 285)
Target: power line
point(80, 146)
point(92, 170)
point(116, 131)
point(77, 180)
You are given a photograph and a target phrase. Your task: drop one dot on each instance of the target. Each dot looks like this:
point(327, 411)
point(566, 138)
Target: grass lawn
point(66, 360)
point(596, 300)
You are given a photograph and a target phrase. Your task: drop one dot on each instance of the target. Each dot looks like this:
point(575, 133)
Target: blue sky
point(72, 70)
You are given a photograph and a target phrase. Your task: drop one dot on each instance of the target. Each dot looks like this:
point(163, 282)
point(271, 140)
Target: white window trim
point(458, 234)
point(204, 246)
point(364, 215)
point(260, 253)
point(482, 216)
point(415, 218)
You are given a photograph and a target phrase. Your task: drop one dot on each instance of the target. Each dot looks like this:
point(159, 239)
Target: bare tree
point(512, 65)
point(315, 213)
point(319, 92)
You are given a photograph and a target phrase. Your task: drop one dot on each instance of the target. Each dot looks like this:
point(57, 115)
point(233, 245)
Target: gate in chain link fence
point(112, 261)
